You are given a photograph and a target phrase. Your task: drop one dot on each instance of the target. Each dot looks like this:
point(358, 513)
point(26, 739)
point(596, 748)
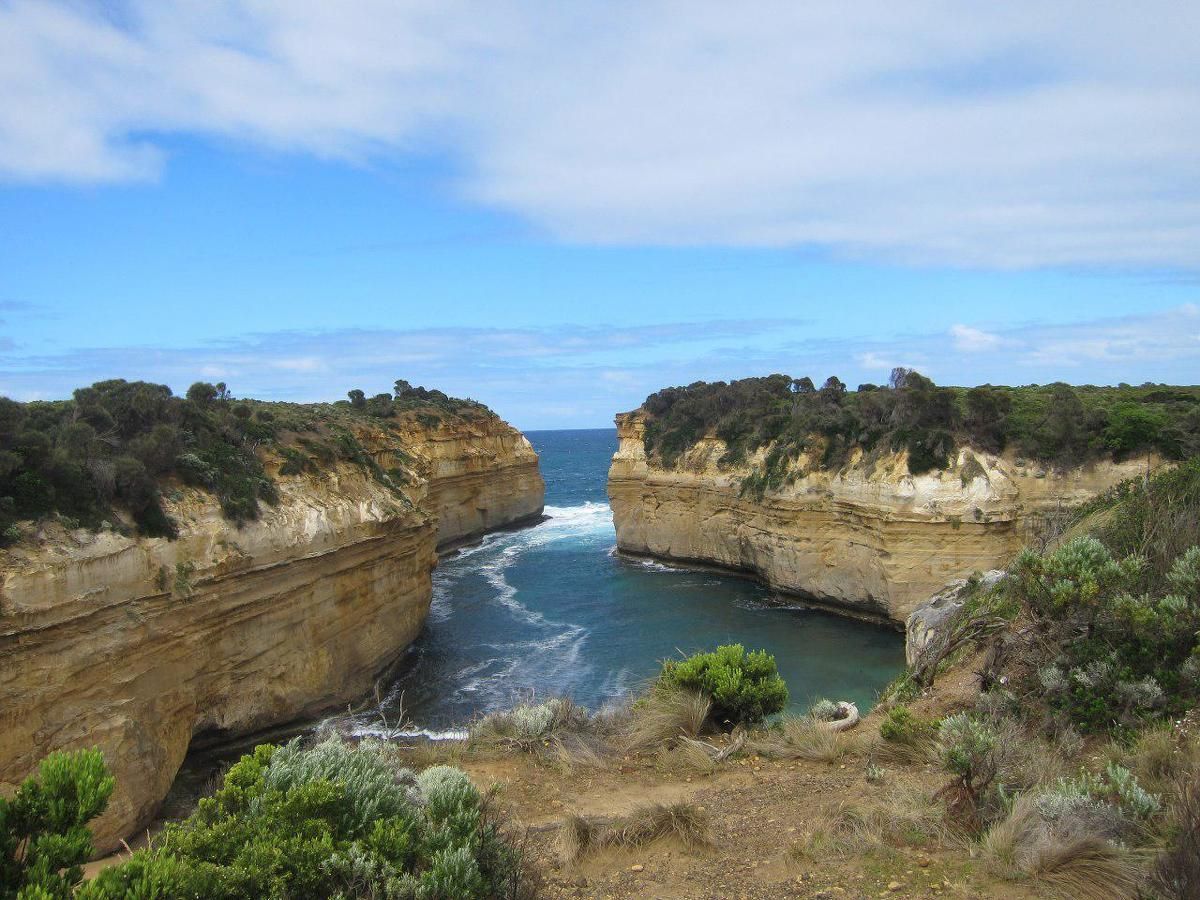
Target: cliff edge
point(139, 644)
point(868, 538)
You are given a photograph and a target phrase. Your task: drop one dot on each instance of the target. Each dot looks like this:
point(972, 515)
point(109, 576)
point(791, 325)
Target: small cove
point(553, 609)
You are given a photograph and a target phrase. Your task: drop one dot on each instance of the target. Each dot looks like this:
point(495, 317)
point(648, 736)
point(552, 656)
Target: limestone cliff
point(138, 645)
point(870, 538)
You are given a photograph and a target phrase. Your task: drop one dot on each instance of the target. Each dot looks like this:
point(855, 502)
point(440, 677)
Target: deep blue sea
point(553, 609)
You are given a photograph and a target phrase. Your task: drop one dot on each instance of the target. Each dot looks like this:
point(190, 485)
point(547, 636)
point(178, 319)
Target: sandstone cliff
point(869, 539)
point(138, 645)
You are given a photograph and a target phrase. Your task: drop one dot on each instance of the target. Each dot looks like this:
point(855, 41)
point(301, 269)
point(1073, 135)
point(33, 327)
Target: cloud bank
point(991, 135)
point(571, 377)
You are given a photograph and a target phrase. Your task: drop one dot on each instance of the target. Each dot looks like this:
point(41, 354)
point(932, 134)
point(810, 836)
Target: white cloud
point(970, 339)
point(1006, 135)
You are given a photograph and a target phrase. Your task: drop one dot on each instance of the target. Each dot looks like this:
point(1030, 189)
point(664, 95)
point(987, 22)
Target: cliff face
point(871, 539)
point(138, 645)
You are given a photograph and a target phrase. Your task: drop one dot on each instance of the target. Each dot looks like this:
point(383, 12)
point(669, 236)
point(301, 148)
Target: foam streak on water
point(551, 609)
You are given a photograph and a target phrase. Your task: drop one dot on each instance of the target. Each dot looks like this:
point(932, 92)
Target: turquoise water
point(553, 609)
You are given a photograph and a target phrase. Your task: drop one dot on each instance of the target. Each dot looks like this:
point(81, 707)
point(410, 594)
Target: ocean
point(553, 610)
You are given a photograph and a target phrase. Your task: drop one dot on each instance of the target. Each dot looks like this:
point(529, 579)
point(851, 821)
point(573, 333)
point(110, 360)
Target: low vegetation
point(112, 450)
point(743, 688)
point(44, 838)
point(331, 820)
point(1054, 424)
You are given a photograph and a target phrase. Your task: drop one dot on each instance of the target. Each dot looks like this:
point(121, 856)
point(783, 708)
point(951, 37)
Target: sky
point(558, 208)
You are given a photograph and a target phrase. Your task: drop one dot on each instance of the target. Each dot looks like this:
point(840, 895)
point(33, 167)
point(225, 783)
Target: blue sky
point(557, 209)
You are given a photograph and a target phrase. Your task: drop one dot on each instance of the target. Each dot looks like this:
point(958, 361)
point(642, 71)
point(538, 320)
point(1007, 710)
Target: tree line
point(1056, 424)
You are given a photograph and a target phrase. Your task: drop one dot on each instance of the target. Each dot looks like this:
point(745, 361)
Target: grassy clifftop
point(106, 454)
point(1056, 424)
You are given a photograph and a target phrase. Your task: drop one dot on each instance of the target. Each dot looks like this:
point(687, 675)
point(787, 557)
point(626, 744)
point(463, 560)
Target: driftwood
point(846, 719)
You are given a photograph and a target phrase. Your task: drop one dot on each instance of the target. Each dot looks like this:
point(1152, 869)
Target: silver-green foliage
point(332, 820)
point(373, 788)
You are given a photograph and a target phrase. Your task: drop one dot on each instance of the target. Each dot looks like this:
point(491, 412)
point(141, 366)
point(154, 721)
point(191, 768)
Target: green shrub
point(744, 687)
point(44, 839)
point(328, 821)
point(1112, 797)
point(968, 750)
point(1119, 656)
point(902, 727)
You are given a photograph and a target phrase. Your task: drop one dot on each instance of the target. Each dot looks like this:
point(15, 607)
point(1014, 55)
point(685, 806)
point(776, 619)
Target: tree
point(833, 389)
point(380, 406)
point(357, 398)
point(987, 417)
point(1132, 427)
point(1060, 435)
point(202, 393)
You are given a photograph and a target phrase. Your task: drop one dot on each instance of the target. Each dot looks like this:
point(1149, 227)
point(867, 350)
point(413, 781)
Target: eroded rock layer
point(869, 539)
point(137, 645)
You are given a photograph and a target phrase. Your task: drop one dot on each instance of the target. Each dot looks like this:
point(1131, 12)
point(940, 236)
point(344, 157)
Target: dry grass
point(571, 752)
point(1177, 870)
point(917, 752)
point(1065, 862)
point(802, 737)
point(688, 757)
point(1024, 760)
point(900, 817)
point(1003, 843)
point(1160, 758)
point(1085, 868)
point(664, 715)
point(682, 822)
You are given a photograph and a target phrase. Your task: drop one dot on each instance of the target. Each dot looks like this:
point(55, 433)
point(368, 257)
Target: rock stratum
point(869, 539)
point(140, 645)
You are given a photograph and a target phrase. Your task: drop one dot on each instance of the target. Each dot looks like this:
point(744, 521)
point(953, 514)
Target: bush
point(332, 820)
point(44, 839)
point(968, 751)
point(744, 687)
point(1119, 657)
point(900, 726)
point(1177, 871)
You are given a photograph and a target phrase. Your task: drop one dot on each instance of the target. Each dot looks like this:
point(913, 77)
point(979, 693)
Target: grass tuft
point(684, 822)
point(663, 716)
point(802, 737)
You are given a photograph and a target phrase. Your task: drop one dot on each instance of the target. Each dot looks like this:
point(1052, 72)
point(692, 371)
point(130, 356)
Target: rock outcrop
point(869, 539)
point(139, 645)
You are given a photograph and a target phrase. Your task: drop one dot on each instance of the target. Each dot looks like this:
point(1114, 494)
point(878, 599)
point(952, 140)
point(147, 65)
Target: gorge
point(148, 645)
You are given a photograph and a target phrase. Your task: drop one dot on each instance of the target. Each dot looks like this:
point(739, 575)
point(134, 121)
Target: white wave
point(654, 565)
